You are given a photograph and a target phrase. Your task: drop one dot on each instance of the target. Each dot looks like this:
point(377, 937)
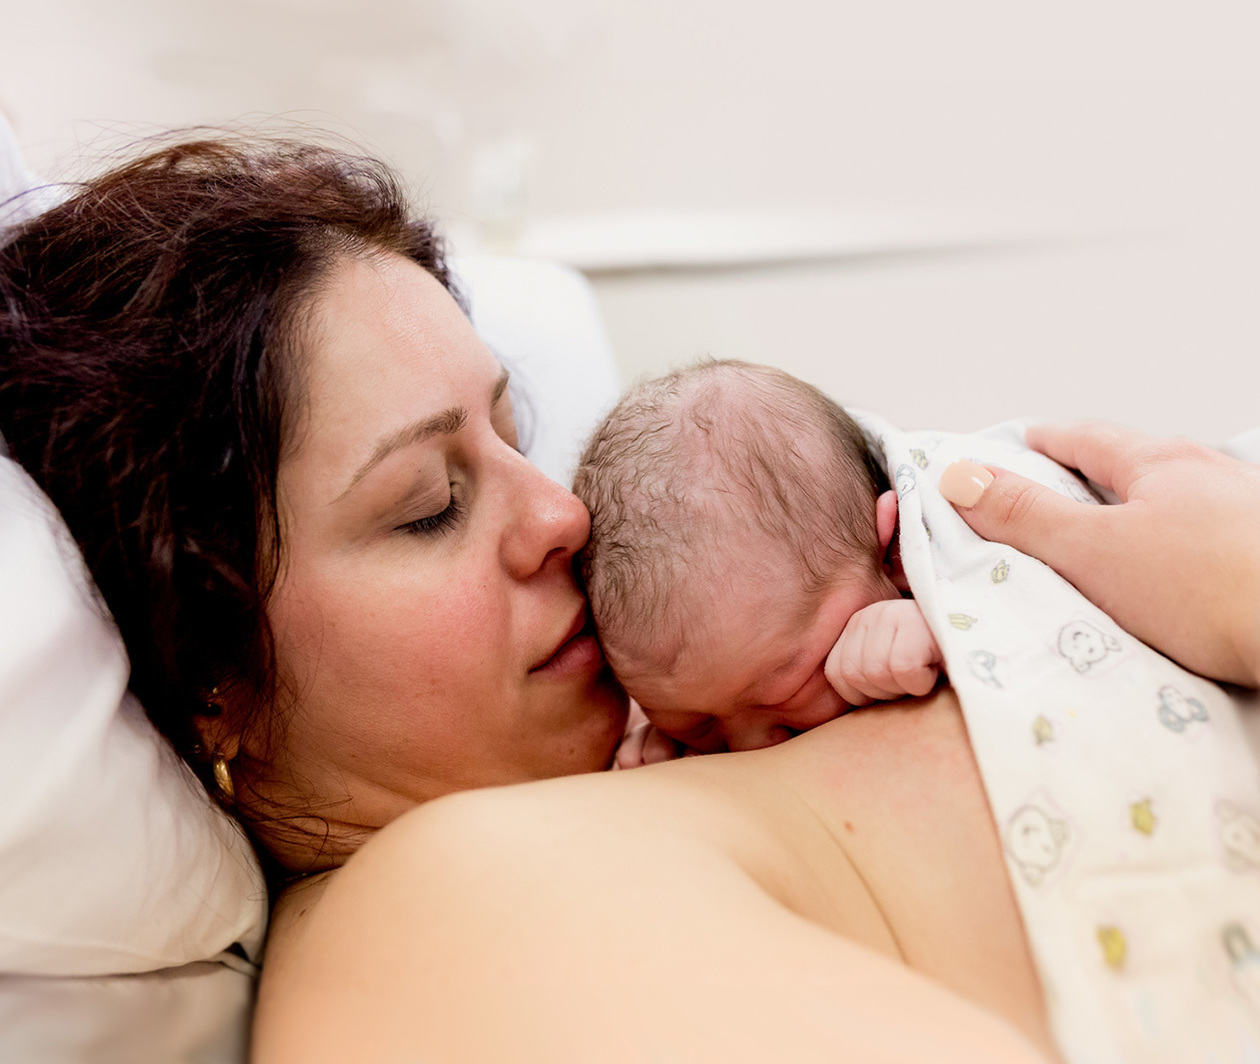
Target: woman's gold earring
point(223, 777)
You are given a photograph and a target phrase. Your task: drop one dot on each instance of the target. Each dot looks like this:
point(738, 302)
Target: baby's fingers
point(660, 747)
point(857, 681)
point(630, 752)
point(914, 656)
point(915, 680)
point(882, 680)
point(842, 666)
point(875, 676)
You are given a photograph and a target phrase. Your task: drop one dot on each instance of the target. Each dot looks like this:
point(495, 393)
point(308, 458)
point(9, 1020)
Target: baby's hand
point(646, 744)
point(886, 651)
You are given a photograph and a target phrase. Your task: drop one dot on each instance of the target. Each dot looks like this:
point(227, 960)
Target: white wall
point(1021, 208)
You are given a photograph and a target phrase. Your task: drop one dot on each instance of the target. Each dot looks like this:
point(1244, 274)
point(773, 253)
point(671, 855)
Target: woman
point(292, 468)
point(153, 384)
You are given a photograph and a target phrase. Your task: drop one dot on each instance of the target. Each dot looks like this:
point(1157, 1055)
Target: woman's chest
point(910, 862)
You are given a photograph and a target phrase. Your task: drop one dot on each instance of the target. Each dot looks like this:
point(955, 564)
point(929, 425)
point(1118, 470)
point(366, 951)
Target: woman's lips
point(578, 651)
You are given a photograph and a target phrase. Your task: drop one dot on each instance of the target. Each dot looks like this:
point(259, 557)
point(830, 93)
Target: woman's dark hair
point(148, 328)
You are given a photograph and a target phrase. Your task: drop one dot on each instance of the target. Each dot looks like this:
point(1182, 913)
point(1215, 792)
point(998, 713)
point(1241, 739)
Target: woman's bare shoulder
point(478, 842)
point(742, 807)
point(494, 835)
point(488, 828)
point(711, 798)
point(487, 895)
point(524, 922)
point(604, 917)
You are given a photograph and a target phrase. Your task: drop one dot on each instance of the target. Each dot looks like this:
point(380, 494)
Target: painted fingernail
point(963, 482)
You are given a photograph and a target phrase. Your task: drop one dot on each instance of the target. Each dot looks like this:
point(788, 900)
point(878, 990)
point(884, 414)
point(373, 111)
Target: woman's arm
point(1177, 563)
point(540, 924)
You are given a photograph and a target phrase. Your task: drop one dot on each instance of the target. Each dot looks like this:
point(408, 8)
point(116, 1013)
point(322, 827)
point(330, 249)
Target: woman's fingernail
point(963, 482)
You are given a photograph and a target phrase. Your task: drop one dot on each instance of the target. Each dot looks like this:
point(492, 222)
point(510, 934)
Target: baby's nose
point(753, 731)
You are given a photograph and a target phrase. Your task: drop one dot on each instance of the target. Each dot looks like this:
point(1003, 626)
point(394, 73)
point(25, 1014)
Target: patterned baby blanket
point(1124, 788)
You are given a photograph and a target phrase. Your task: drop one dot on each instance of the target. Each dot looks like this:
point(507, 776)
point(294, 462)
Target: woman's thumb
point(1005, 507)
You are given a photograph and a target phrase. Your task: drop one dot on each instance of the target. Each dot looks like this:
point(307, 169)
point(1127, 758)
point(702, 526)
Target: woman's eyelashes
point(435, 524)
point(446, 519)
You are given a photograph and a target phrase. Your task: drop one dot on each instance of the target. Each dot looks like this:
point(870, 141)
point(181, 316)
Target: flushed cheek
point(422, 651)
point(369, 635)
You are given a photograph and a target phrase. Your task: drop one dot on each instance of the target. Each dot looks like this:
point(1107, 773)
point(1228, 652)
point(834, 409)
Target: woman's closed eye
point(436, 523)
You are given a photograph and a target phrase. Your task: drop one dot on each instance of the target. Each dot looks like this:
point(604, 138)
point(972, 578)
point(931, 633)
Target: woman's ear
point(219, 723)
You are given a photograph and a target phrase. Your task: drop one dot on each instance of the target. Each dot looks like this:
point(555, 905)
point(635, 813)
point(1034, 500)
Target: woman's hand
point(1177, 563)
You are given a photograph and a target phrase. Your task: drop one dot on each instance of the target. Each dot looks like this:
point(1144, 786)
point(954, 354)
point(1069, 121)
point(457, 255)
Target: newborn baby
point(742, 567)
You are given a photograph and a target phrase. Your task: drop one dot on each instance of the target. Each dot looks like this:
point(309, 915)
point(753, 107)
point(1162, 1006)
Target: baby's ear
point(886, 518)
point(886, 529)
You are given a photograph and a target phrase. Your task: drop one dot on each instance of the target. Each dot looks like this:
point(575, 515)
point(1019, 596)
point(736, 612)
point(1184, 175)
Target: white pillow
point(115, 860)
point(20, 195)
point(542, 321)
point(198, 1013)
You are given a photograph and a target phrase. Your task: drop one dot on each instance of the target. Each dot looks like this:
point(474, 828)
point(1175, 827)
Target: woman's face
point(429, 630)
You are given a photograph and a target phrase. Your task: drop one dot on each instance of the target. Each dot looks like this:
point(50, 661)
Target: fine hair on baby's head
point(705, 478)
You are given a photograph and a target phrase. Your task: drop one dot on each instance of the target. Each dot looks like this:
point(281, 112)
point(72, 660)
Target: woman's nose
point(550, 522)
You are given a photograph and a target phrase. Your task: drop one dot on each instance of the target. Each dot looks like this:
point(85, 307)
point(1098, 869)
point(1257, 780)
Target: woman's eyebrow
point(445, 422)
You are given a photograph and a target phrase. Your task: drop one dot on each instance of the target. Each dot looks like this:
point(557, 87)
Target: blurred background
point(952, 213)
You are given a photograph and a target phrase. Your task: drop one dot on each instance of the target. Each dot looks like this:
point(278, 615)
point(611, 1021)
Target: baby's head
point(734, 530)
